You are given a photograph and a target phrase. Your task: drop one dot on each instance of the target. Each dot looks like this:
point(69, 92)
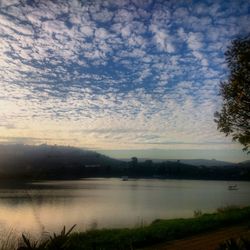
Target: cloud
point(162, 39)
point(115, 73)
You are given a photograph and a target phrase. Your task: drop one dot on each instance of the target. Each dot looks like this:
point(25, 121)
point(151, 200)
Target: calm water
point(98, 203)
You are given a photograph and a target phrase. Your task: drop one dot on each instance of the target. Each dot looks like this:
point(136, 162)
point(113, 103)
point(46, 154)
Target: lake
point(110, 202)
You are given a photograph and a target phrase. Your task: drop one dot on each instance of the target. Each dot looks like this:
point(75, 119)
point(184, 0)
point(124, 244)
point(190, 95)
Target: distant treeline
point(56, 162)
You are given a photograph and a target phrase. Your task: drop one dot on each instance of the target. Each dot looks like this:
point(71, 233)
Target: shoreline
point(159, 231)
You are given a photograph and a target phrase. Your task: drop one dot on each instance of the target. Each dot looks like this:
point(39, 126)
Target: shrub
point(55, 242)
point(235, 244)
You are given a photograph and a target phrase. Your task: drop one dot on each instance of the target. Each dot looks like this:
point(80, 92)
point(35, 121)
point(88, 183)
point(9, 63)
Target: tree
point(134, 161)
point(234, 117)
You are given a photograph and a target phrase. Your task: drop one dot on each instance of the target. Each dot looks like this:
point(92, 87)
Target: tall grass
point(8, 240)
point(54, 242)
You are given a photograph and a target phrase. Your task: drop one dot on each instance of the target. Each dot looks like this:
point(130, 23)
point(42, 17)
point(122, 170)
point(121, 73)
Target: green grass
point(157, 232)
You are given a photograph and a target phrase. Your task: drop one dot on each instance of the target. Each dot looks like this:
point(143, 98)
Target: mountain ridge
point(194, 162)
point(64, 162)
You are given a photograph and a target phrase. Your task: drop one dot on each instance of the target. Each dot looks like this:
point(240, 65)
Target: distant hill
point(27, 162)
point(43, 160)
point(207, 163)
point(194, 162)
point(245, 164)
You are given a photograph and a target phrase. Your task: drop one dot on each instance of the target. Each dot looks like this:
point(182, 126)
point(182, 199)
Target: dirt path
point(205, 241)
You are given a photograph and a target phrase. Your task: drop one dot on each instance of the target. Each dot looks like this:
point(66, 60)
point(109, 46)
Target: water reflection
point(98, 203)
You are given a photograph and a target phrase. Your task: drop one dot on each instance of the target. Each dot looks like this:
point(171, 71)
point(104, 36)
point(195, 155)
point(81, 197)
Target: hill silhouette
point(64, 162)
point(49, 161)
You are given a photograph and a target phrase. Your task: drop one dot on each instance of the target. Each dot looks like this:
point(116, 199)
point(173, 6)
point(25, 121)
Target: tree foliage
point(234, 117)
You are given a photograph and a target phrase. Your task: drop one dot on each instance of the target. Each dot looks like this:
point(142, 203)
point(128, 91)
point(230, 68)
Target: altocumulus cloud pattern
point(115, 74)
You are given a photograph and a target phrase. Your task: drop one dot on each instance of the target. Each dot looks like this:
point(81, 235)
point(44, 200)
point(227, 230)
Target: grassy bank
point(158, 231)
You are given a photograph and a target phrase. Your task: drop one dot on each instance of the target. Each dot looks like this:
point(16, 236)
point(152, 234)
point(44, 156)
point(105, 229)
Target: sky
point(118, 76)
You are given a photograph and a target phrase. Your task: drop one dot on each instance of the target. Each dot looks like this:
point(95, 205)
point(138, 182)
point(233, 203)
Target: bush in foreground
point(55, 242)
point(235, 244)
